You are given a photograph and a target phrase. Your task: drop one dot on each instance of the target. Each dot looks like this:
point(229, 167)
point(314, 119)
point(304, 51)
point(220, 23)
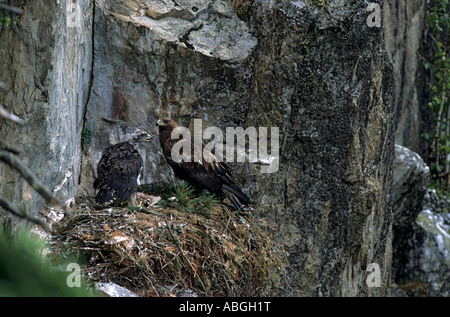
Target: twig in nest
point(229, 217)
point(185, 258)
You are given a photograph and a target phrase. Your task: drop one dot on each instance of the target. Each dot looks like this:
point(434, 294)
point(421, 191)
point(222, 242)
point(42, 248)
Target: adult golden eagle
point(119, 170)
point(207, 172)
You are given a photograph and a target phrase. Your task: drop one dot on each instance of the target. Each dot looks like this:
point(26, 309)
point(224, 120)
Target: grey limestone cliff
point(46, 67)
point(319, 73)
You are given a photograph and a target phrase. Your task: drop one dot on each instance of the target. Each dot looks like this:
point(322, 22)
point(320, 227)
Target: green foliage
point(439, 18)
point(242, 7)
point(320, 3)
point(185, 199)
point(6, 20)
point(86, 135)
point(439, 21)
point(183, 193)
point(442, 192)
point(25, 272)
point(306, 43)
point(162, 203)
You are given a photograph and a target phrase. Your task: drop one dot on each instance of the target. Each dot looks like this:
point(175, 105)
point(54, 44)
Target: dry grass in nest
point(168, 252)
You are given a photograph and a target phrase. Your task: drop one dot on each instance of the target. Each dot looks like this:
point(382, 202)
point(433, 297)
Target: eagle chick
point(119, 170)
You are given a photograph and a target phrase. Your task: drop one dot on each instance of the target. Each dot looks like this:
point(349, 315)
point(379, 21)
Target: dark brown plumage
point(119, 170)
point(207, 174)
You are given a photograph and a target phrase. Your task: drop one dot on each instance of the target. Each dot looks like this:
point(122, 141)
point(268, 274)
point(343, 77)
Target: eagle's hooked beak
point(160, 123)
point(147, 138)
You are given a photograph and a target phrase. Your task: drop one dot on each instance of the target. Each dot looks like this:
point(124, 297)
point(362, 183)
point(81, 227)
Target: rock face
point(168, 65)
point(326, 81)
point(319, 74)
point(47, 76)
point(432, 263)
point(421, 228)
point(406, 41)
point(411, 176)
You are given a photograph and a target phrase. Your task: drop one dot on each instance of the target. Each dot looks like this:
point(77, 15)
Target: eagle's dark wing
point(118, 172)
point(208, 173)
point(216, 177)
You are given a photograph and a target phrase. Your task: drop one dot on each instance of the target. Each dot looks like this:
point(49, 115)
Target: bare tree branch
point(6, 147)
point(12, 9)
point(22, 213)
point(10, 116)
point(7, 154)
point(29, 176)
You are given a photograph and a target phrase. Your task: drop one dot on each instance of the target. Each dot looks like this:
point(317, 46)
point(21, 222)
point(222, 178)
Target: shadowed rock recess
point(407, 41)
point(319, 73)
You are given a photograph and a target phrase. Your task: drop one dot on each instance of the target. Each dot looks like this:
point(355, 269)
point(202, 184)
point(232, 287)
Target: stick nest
point(166, 251)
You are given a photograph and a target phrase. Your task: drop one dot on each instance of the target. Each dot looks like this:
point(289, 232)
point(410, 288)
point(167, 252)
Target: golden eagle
point(206, 173)
point(119, 170)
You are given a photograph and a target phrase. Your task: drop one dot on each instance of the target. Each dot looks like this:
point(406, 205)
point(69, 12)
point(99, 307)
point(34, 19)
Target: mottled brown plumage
point(119, 170)
point(208, 173)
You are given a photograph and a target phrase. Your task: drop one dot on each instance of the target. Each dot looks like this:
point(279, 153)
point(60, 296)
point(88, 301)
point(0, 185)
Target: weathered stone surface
point(432, 264)
point(326, 81)
point(421, 228)
point(114, 290)
point(140, 75)
point(158, 9)
point(212, 29)
point(47, 77)
point(318, 73)
point(406, 41)
point(411, 176)
point(426, 271)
